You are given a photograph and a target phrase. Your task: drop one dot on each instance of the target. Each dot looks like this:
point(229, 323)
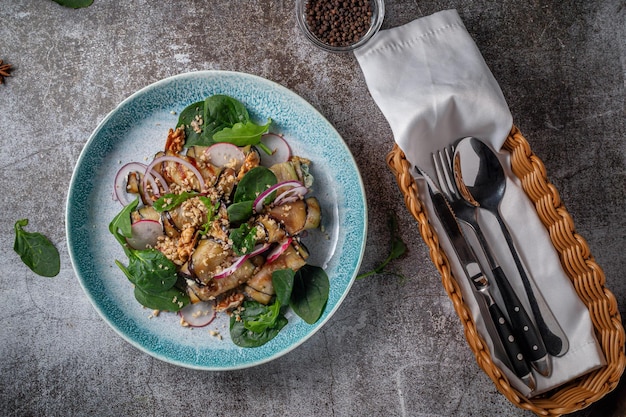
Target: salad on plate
point(215, 224)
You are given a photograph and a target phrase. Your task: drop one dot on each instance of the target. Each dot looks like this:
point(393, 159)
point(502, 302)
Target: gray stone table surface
point(396, 346)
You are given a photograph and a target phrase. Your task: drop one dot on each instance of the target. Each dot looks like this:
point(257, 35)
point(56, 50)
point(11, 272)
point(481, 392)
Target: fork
point(532, 344)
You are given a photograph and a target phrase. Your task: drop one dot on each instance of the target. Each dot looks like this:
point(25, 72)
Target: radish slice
point(260, 200)
point(225, 154)
point(279, 147)
point(278, 250)
point(145, 234)
point(197, 314)
point(259, 249)
point(121, 180)
point(167, 158)
point(232, 268)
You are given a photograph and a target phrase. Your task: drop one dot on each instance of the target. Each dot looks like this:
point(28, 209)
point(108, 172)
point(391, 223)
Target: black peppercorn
point(339, 22)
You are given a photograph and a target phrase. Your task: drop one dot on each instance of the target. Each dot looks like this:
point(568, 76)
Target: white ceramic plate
point(135, 131)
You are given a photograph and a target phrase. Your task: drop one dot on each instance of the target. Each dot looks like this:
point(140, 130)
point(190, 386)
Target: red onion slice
point(232, 268)
point(279, 147)
point(145, 234)
point(259, 201)
point(121, 180)
point(225, 154)
point(291, 195)
point(161, 181)
point(168, 158)
point(259, 249)
point(198, 314)
point(278, 250)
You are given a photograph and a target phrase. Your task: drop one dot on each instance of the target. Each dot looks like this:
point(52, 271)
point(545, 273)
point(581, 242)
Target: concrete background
point(395, 347)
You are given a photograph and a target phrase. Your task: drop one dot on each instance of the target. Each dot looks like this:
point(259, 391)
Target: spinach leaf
point(244, 337)
point(121, 224)
point(257, 180)
point(150, 270)
point(74, 4)
point(170, 300)
point(244, 239)
point(220, 118)
point(191, 114)
point(310, 293)
point(266, 319)
point(240, 212)
point(171, 200)
point(211, 207)
point(221, 112)
point(203, 119)
point(242, 134)
point(211, 211)
point(282, 280)
point(36, 251)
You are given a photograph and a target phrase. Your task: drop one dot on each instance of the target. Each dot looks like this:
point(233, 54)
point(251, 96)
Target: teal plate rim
point(136, 129)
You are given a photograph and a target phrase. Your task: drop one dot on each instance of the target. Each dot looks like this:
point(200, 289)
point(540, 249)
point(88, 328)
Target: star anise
point(4, 71)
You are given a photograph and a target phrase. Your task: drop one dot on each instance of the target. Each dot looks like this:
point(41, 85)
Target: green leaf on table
point(74, 4)
point(398, 248)
point(36, 251)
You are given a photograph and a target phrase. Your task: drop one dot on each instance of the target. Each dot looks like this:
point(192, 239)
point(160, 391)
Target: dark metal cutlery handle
point(522, 325)
point(512, 348)
point(552, 342)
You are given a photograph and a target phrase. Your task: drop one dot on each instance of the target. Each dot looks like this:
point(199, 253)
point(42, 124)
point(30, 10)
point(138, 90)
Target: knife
point(474, 273)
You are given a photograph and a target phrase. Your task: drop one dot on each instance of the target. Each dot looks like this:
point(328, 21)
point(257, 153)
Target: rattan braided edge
point(587, 277)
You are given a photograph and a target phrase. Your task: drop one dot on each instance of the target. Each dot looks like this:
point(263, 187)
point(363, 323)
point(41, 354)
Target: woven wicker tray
point(579, 265)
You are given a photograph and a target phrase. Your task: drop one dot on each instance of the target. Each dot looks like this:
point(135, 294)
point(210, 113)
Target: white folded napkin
point(433, 86)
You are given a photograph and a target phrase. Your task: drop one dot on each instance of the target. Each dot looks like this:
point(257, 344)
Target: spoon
point(481, 178)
